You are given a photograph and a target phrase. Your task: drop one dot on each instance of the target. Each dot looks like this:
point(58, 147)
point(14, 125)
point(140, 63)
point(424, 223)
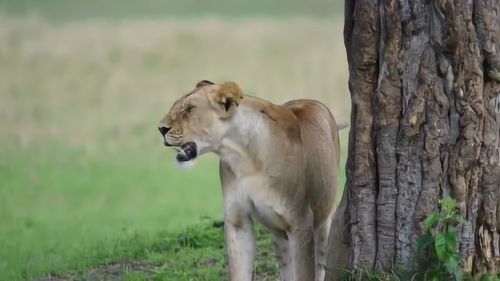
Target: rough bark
point(425, 123)
point(363, 69)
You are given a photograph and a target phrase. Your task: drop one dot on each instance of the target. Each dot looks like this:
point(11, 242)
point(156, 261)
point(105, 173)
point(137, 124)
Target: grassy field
point(85, 182)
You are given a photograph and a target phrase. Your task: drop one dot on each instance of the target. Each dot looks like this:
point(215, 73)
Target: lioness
point(278, 165)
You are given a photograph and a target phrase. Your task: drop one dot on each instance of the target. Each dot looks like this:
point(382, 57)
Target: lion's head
point(197, 121)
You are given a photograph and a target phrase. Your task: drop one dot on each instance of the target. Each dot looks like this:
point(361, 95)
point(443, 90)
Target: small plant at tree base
point(438, 248)
point(437, 252)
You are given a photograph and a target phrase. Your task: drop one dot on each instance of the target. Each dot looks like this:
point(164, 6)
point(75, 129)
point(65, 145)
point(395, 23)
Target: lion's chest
point(262, 203)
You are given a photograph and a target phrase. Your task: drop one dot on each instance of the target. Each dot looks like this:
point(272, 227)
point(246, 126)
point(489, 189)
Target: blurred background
point(83, 85)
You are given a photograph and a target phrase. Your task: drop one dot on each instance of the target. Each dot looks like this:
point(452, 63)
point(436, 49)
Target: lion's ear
point(203, 83)
point(227, 98)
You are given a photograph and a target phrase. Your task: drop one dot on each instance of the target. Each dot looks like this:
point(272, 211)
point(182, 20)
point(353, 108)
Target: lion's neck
point(245, 144)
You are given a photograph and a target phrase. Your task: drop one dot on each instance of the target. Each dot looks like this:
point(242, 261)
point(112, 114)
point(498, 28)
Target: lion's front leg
point(282, 247)
point(240, 242)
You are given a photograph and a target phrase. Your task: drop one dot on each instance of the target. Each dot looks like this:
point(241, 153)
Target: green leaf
point(431, 220)
point(459, 275)
point(444, 261)
point(452, 266)
point(440, 246)
point(451, 239)
point(448, 205)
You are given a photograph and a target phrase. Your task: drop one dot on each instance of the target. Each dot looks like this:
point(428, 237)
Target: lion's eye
point(188, 109)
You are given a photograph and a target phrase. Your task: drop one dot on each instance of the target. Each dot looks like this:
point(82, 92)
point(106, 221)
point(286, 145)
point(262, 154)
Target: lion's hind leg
point(320, 247)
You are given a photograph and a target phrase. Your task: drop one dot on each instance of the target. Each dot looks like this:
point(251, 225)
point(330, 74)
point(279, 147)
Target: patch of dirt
point(115, 271)
point(108, 272)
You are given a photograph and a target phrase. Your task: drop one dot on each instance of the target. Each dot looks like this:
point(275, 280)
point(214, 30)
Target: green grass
point(197, 253)
point(84, 178)
point(57, 204)
point(57, 10)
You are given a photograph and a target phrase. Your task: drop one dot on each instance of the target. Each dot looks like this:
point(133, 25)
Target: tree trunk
point(425, 123)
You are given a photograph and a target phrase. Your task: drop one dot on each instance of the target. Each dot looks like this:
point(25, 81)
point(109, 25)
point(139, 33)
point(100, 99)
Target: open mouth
point(187, 152)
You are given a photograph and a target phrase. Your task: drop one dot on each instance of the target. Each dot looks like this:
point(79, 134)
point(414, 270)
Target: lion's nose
point(164, 130)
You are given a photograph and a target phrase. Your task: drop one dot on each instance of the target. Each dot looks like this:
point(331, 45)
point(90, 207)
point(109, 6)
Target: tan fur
point(279, 165)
